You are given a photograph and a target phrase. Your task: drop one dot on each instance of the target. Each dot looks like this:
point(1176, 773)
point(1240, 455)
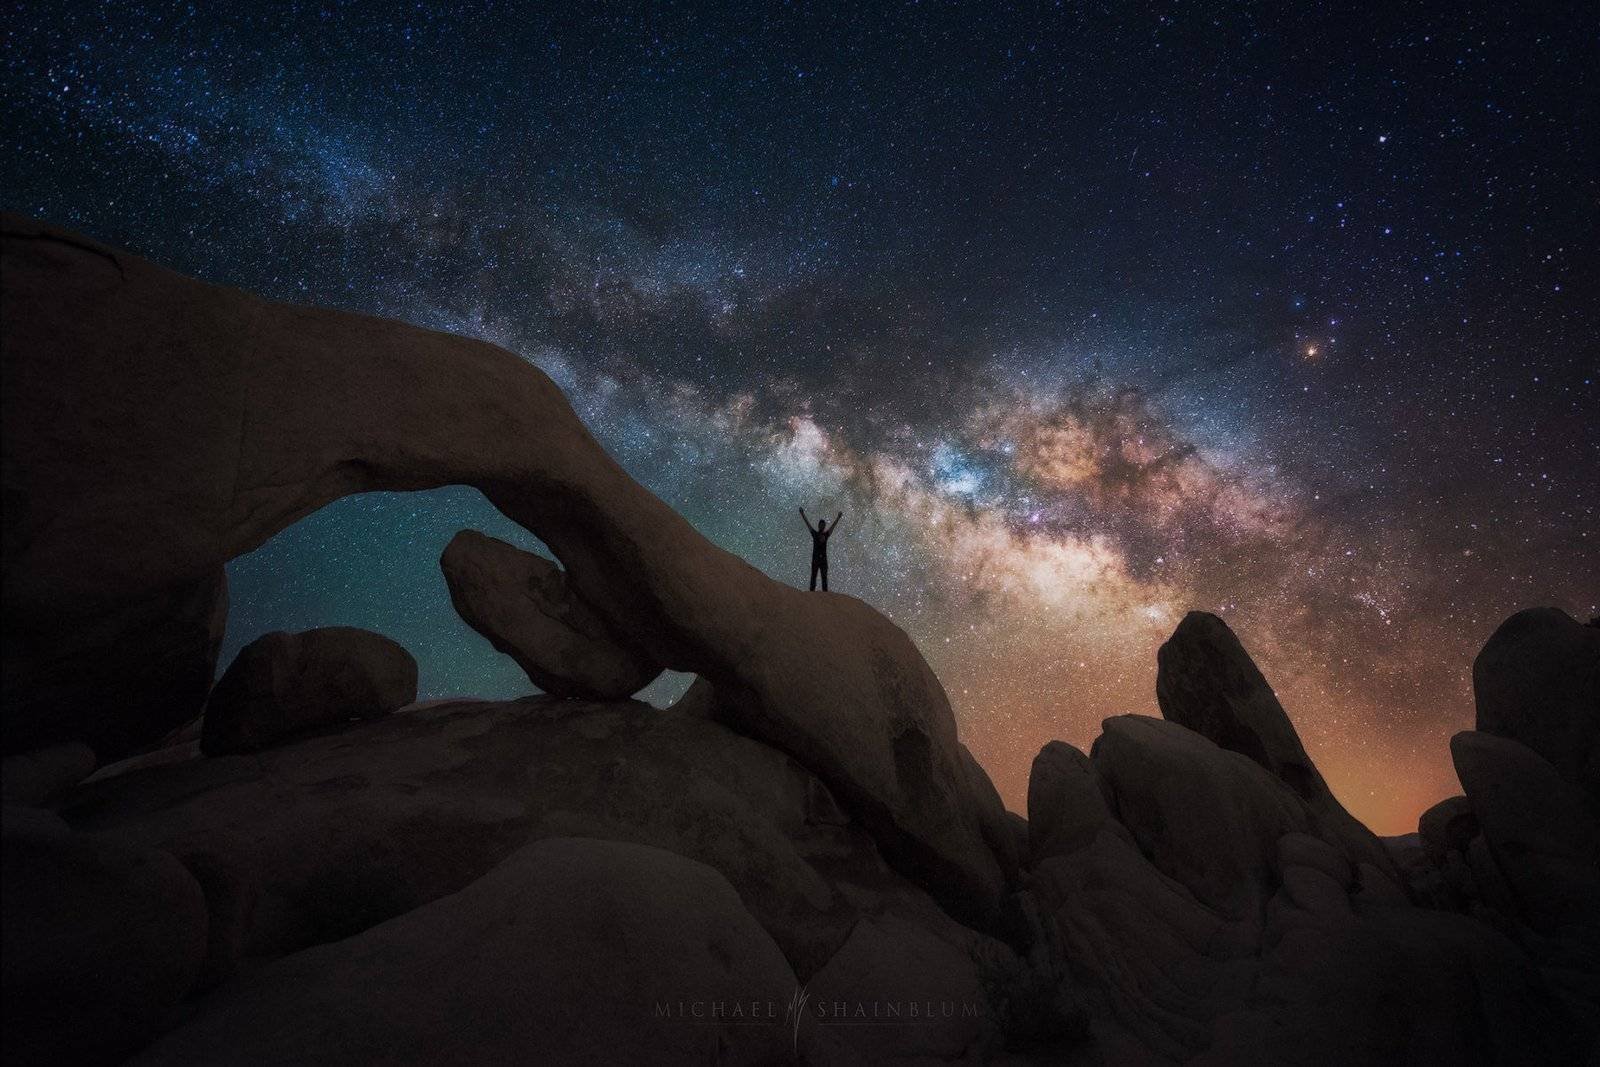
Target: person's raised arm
point(804, 519)
point(836, 519)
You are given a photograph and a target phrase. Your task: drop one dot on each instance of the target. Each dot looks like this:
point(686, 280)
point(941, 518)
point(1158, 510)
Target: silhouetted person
point(819, 547)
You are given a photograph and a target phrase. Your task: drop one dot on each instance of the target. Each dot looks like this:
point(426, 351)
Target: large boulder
point(1066, 806)
point(521, 602)
point(320, 838)
point(1537, 681)
point(1205, 680)
point(282, 684)
point(101, 942)
point(506, 972)
point(205, 420)
point(1206, 816)
point(1538, 828)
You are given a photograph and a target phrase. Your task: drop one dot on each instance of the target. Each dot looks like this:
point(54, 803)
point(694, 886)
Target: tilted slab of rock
point(1066, 806)
point(283, 683)
point(1207, 681)
point(1449, 825)
point(1537, 681)
point(521, 602)
point(1005, 838)
point(204, 420)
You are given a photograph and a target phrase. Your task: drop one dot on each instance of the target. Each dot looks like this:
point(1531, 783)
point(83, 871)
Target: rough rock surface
point(999, 832)
point(1537, 681)
point(1206, 681)
point(1066, 806)
point(933, 986)
point(1449, 824)
point(503, 972)
point(114, 674)
point(1537, 826)
point(37, 776)
point(328, 835)
point(247, 415)
point(282, 684)
point(1205, 816)
point(1321, 971)
point(521, 602)
point(100, 942)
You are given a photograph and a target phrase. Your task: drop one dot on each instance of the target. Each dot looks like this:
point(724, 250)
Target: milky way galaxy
point(1084, 319)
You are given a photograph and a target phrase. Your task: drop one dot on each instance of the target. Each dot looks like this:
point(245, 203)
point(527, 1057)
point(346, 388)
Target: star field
point(1085, 316)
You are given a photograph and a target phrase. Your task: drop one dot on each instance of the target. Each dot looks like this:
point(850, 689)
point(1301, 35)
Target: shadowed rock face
point(281, 684)
point(549, 909)
point(101, 940)
point(1537, 681)
point(1204, 815)
point(1066, 805)
point(522, 604)
point(349, 829)
point(220, 418)
point(1537, 827)
point(41, 775)
point(1206, 681)
point(157, 651)
point(1449, 824)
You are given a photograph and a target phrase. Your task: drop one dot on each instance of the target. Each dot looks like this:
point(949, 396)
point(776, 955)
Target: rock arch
point(157, 426)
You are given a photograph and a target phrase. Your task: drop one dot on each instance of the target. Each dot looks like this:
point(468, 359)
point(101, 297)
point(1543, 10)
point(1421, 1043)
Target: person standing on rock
point(819, 547)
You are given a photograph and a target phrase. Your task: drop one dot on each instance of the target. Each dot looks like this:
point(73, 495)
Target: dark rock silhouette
point(524, 881)
point(1206, 817)
point(282, 684)
point(1066, 802)
point(1207, 682)
point(1537, 681)
point(351, 829)
point(549, 909)
point(35, 777)
point(1537, 827)
point(521, 602)
point(101, 940)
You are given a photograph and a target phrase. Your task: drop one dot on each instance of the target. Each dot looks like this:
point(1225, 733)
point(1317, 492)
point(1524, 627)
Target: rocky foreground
point(297, 863)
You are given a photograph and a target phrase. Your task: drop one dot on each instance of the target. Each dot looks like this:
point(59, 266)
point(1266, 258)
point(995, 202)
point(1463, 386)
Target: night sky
point(1084, 316)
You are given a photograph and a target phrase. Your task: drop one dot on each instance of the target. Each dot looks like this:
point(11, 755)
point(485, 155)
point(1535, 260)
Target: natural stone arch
point(157, 426)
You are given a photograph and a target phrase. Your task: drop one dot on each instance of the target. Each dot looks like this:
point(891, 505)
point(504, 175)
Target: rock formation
point(101, 940)
point(221, 418)
point(549, 909)
point(354, 828)
point(33, 778)
point(789, 864)
point(282, 684)
point(1537, 681)
point(521, 602)
point(1207, 682)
